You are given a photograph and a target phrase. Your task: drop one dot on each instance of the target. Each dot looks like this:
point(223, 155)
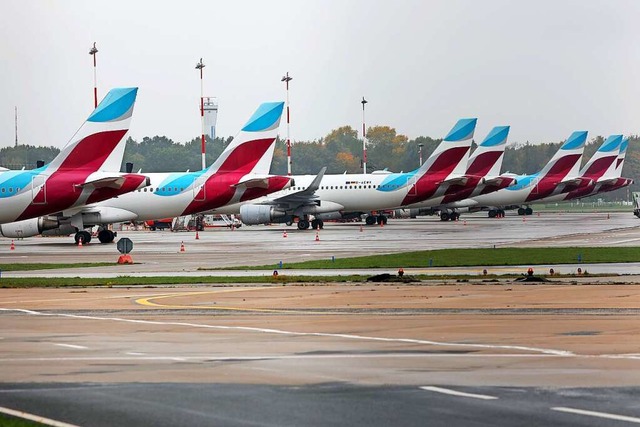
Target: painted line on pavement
point(605, 415)
point(77, 347)
point(303, 334)
point(36, 418)
point(458, 393)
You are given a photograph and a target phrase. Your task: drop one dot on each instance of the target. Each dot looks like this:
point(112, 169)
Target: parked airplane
point(351, 195)
point(83, 172)
point(239, 174)
point(614, 180)
point(561, 169)
point(482, 176)
point(600, 169)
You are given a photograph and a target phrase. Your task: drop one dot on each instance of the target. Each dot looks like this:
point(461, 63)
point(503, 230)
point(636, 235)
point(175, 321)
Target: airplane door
point(200, 192)
point(38, 190)
point(534, 189)
point(413, 186)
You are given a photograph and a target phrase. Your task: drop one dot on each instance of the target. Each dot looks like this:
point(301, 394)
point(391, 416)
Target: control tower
point(210, 116)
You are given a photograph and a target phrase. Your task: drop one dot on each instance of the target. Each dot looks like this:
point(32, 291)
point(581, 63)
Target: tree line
point(340, 150)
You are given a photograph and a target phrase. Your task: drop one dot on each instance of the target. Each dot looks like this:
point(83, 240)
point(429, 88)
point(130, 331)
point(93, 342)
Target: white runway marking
point(598, 414)
point(77, 347)
point(522, 348)
point(133, 353)
point(308, 334)
point(200, 358)
point(457, 393)
point(36, 418)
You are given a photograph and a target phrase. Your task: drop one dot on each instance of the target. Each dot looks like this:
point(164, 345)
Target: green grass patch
point(7, 421)
point(48, 266)
point(58, 282)
point(472, 257)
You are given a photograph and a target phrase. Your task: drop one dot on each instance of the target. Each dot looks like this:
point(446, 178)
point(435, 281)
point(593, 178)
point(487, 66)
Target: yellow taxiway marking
point(149, 301)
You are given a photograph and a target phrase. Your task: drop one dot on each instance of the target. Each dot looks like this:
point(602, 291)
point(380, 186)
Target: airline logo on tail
point(565, 163)
point(449, 158)
point(241, 171)
point(68, 180)
point(486, 160)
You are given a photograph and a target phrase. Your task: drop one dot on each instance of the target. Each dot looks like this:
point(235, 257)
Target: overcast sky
point(544, 67)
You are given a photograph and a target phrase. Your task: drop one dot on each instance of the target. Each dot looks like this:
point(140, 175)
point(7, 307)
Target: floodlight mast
point(287, 79)
point(93, 52)
point(200, 66)
point(364, 138)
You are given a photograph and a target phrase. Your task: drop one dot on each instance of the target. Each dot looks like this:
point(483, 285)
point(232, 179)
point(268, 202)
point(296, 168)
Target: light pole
point(200, 66)
point(287, 79)
point(364, 139)
point(420, 152)
point(93, 52)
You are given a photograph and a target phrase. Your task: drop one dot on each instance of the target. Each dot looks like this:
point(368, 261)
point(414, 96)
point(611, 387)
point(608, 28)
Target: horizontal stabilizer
point(253, 183)
point(456, 180)
point(499, 181)
point(109, 182)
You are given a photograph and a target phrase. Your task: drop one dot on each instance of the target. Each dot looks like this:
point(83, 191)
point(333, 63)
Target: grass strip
point(49, 266)
point(470, 257)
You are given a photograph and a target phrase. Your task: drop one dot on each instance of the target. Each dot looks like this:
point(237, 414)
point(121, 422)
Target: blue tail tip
point(266, 117)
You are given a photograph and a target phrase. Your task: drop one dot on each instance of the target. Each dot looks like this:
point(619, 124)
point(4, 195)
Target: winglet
point(315, 184)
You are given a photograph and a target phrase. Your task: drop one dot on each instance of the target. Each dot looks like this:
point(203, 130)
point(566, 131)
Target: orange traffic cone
point(182, 249)
point(80, 242)
point(284, 234)
point(13, 246)
point(361, 228)
point(197, 235)
point(317, 237)
point(465, 222)
point(524, 218)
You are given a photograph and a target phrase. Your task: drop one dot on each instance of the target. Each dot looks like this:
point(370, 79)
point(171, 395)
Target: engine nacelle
point(28, 227)
point(260, 214)
point(107, 215)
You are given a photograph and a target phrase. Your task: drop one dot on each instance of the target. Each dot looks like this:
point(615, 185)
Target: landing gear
point(381, 219)
point(303, 224)
point(106, 236)
point(496, 213)
point(452, 216)
point(370, 220)
point(85, 236)
point(525, 211)
point(317, 224)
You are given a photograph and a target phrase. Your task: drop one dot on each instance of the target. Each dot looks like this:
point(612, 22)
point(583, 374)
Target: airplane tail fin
point(621, 155)
point(99, 143)
point(486, 159)
point(452, 153)
point(566, 161)
point(603, 159)
point(251, 150)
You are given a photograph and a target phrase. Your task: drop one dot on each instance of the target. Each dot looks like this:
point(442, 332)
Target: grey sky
point(544, 67)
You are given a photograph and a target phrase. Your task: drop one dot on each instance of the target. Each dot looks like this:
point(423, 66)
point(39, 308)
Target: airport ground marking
point(76, 347)
point(605, 415)
point(522, 348)
point(149, 301)
point(458, 393)
point(36, 418)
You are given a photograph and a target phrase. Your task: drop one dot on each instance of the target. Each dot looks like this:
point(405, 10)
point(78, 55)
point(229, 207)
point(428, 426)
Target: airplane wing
point(302, 197)
point(261, 182)
point(576, 181)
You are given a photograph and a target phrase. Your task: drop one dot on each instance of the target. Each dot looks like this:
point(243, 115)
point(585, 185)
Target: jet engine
point(29, 227)
point(260, 214)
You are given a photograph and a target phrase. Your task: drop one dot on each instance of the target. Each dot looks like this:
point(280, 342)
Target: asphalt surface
point(159, 404)
point(347, 354)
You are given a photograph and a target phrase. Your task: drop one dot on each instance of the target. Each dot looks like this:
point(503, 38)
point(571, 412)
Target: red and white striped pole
point(287, 79)
point(93, 52)
point(364, 139)
point(200, 66)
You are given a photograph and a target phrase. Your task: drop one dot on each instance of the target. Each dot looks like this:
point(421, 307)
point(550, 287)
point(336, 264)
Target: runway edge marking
point(36, 418)
point(606, 415)
point(458, 393)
